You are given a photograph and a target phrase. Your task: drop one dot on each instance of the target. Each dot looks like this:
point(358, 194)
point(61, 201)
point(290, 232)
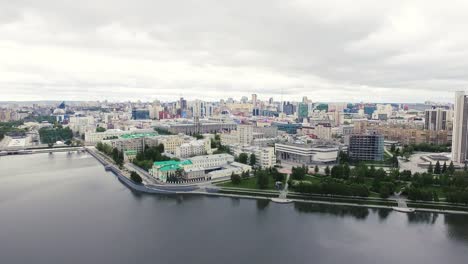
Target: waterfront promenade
point(152, 186)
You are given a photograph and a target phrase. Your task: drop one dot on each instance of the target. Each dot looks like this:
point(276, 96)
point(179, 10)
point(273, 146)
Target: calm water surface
point(64, 208)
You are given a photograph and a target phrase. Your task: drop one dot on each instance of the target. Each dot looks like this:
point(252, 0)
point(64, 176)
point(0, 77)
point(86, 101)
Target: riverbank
point(212, 190)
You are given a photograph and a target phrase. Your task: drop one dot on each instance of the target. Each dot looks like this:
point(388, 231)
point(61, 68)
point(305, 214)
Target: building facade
point(306, 153)
point(460, 128)
point(368, 147)
point(437, 119)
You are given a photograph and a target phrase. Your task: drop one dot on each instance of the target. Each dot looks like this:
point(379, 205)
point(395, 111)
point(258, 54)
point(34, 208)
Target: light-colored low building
point(227, 171)
point(211, 161)
point(306, 153)
point(265, 156)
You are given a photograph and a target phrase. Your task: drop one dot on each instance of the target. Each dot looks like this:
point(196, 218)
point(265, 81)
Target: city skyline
point(403, 51)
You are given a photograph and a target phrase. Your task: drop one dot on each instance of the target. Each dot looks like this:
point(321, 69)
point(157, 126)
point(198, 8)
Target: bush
point(235, 178)
point(135, 177)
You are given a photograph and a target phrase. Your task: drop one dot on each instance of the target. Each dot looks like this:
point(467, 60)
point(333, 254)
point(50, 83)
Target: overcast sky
point(331, 50)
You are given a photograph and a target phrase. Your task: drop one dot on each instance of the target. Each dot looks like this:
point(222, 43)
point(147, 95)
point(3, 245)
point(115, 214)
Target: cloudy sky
point(331, 50)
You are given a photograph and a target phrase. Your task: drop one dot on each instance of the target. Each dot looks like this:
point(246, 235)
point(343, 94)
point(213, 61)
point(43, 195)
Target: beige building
point(243, 135)
point(407, 136)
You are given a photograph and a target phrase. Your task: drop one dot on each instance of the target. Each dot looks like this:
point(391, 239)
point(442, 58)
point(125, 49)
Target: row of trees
point(382, 183)
point(236, 178)
point(265, 175)
point(444, 169)
point(332, 187)
point(114, 153)
point(247, 159)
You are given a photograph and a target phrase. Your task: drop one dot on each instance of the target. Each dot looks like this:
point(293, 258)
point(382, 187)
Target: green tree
point(437, 168)
point(327, 170)
point(346, 171)
point(451, 168)
point(430, 168)
point(298, 173)
point(262, 179)
point(253, 159)
point(243, 158)
point(372, 171)
point(384, 191)
point(134, 176)
point(444, 167)
point(235, 178)
point(393, 148)
point(316, 169)
point(100, 129)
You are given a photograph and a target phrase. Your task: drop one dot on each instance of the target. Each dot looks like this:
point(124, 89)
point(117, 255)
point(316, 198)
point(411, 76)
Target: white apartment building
point(82, 124)
point(266, 157)
point(211, 161)
point(193, 148)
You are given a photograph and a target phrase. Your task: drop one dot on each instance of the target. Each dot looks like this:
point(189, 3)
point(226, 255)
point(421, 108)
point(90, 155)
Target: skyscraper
point(460, 133)
point(437, 119)
point(254, 99)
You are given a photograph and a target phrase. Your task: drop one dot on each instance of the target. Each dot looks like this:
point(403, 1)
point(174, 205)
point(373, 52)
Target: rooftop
point(171, 165)
point(138, 135)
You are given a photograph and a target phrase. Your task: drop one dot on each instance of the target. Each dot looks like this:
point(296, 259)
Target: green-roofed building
point(163, 169)
point(138, 135)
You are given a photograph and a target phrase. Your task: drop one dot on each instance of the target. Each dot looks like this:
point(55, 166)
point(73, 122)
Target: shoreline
point(215, 191)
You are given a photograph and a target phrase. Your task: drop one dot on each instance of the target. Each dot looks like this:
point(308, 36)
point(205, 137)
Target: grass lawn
point(249, 183)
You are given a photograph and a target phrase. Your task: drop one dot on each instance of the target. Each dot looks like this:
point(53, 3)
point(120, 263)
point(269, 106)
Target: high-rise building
point(245, 134)
point(302, 111)
point(460, 133)
point(366, 147)
point(254, 99)
point(437, 119)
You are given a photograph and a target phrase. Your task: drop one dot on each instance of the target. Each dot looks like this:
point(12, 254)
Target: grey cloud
point(327, 50)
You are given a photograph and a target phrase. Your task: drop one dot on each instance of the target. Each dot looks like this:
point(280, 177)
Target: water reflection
point(360, 213)
point(262, 204)
point(457, 227)
point(422, 218)
point(383, 213)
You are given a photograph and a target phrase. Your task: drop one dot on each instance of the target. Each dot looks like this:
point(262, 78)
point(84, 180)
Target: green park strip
point(249, 183)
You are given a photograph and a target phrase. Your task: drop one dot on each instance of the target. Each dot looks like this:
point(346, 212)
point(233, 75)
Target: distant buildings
point(437, 119)
point(367, 147)
point(190, 128)
point(94, 137)
point(138, 114)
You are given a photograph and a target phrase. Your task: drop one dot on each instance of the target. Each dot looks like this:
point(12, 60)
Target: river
point(64, 208)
